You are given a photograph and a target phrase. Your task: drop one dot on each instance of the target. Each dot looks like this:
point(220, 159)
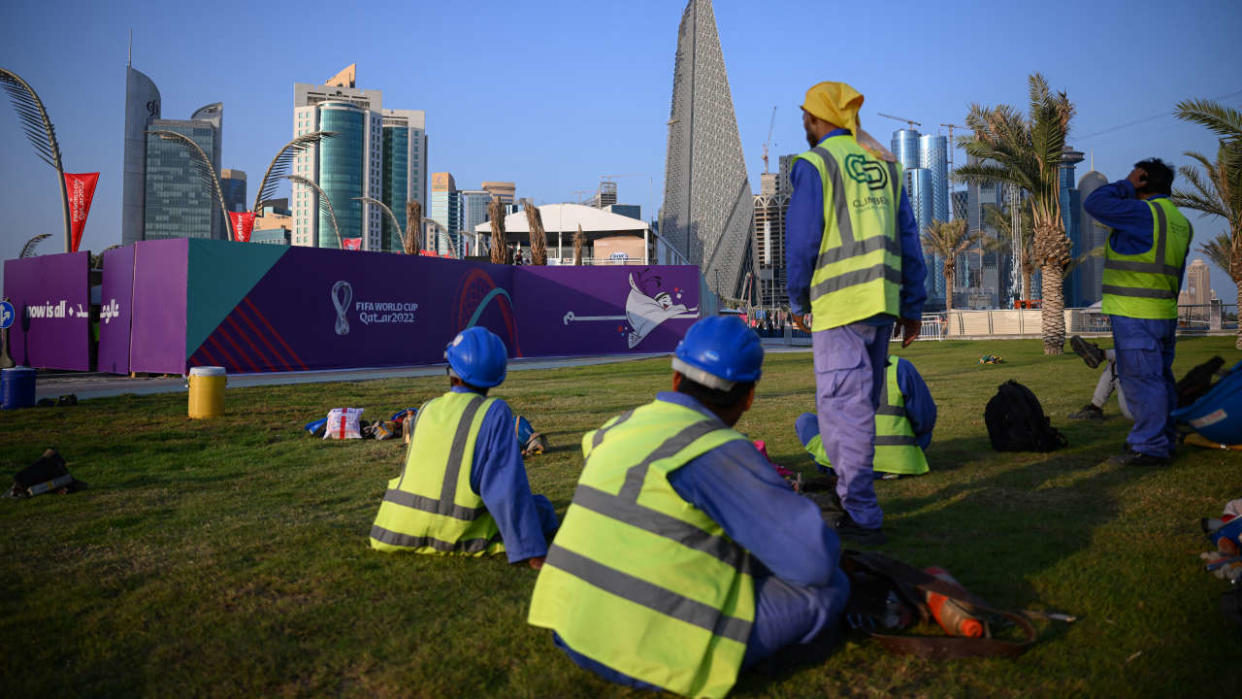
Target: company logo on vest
point(869, 172)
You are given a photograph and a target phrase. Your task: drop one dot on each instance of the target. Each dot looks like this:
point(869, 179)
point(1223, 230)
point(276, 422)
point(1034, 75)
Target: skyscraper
point(233, 186)
point(933, 156)
point(162, 195)
point(1094, 234)
point(379, 153)
point(505, 190)
point(404, 170)
point(1071, 218)
point(142, 105)
point(1199, 283)
point(906, 148)
point(708, 207)
point(176, 201)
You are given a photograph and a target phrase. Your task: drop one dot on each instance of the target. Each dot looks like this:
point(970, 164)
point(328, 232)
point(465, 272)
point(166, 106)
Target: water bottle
point(955, 620)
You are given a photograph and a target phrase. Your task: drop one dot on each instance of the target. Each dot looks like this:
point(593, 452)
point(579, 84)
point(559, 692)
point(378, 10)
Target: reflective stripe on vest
point(858, 269)
point(1146, 285)
point(430, 507)
point(637, 578)
point(896, 447)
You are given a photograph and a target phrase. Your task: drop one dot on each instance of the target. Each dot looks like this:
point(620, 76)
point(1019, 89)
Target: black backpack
point(1016, 421)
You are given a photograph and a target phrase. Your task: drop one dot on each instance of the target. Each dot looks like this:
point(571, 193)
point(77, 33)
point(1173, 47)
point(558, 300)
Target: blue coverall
point(498, 475)
point(1144, 346)
point(799, 589)
point(849, 360)
point(920, 409)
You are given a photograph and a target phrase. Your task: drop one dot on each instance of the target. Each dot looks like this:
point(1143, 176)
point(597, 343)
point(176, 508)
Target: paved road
point(90, 385)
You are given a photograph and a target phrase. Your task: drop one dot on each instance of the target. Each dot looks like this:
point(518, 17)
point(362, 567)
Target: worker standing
point(463, 489)
point(684, 557)
point(855, 262)
point(1143, 266)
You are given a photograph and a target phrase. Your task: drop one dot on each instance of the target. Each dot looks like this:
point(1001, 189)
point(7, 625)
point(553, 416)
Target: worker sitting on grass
point(903, 424)
point(684, 557)
point(463, 489)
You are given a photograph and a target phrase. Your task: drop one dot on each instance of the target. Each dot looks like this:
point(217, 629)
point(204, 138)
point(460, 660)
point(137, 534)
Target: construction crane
point(952, 145)
point(768, 143)
point(911, 122)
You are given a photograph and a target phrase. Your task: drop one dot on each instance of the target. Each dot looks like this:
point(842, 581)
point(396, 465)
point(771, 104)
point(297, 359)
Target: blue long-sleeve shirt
point(1117, 206)
point(738, 489)
point(920, 407)
point(498, 476)
point(804, 227)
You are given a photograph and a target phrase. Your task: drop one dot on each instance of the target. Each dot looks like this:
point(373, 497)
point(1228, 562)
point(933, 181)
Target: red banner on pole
point(243, 225)
point(81, 190)
point(352, 243)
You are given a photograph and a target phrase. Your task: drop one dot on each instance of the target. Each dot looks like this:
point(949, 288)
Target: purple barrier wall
point(50, 295)
point(115, 310)
point(327, 309)
point(157, 327)
point(604, 310)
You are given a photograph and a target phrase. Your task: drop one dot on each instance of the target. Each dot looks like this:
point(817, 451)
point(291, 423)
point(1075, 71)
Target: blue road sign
point(6, 314)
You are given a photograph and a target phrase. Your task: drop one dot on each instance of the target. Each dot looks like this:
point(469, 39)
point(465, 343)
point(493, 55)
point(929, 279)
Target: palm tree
point(324, 203)
point(1027, 152)
point(579, 242)
point(1218, 250)
point(948, 239)
point(40, 132)
point(1225, 121)
point(205, 171)
point(496, 214)
point(279, 167)
point(538, 239)
point(28, 250)
point(1217, 191)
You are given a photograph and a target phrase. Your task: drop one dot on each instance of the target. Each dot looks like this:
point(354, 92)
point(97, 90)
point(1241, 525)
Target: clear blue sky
point(552, 95)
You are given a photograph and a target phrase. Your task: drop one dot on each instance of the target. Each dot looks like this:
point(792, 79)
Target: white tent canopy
point(565, 218)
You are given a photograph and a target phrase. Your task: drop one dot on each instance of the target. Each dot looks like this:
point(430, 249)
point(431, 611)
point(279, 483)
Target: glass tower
point(142, 105)
point(342, 162)
point(396, 184)
point(177, 202)
point(906, 148)
point(933, 156)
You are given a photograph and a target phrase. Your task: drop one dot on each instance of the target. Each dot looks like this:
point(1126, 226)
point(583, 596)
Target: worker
point(684, 557)
point(1144, 262)
point(903, 424)
point(463, 489)
point(854, 261)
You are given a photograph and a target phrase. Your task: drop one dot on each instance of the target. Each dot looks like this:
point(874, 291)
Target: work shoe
point(847, 528)
point(1089, 351)
point(1138, 458)
point(1088, 412)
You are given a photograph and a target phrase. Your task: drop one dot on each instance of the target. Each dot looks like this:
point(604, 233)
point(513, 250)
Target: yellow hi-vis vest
point(896, 450)
point(858, 271)
point(1146, 285)
point(430, 507)
point(637, 578)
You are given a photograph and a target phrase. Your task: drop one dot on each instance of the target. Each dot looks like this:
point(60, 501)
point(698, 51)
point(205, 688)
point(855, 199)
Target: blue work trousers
point(849, 377)
point(785, 614)
point(1144, 350)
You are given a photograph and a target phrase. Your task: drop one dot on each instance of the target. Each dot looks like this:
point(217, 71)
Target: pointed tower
point(708, 206)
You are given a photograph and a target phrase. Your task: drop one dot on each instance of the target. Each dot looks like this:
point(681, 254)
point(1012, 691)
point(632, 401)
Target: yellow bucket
point(206, 391)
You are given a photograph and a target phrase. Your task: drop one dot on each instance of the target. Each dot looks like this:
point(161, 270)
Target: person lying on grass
point(463, 489)
point(684, 557)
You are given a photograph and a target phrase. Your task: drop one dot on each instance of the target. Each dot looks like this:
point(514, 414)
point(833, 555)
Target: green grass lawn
point(230, 557)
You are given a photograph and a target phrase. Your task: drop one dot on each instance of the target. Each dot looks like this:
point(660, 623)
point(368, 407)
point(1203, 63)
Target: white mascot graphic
point(644, 311)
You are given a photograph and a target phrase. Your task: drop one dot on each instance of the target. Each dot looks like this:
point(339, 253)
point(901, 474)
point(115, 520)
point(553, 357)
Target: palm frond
point(325, 204)
point(1218, 250)
point(203, 168)
point(28, 250)
point(35, 122)
point(1224, 121)
point(279, 167)
point(396, 223)
point(414, 226)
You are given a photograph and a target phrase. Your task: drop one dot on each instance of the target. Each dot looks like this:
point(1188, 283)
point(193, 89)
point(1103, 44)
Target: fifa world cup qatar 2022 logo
point(342, 295)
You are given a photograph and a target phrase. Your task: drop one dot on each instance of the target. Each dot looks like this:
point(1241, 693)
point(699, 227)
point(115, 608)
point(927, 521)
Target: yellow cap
point(834, 102)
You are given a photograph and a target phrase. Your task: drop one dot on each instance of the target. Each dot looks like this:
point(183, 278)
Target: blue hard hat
point(478, 357)
point(718, 352)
